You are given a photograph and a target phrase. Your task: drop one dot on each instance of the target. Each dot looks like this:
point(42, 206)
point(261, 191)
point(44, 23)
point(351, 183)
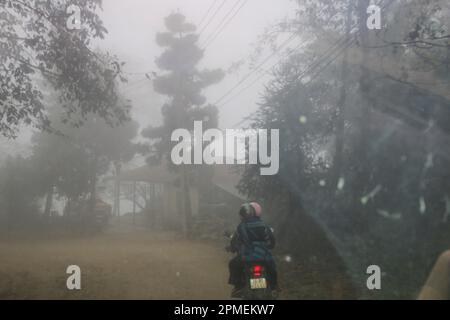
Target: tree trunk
point(93, 185)
point(116, 210)
point(134, 203)
point(154, 218)
point(187, 209)
point(48, 202)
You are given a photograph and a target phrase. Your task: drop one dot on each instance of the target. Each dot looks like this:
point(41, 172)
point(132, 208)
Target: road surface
point(131, 265)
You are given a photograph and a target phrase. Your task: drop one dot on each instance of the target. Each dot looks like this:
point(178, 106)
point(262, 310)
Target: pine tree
point(182, 82)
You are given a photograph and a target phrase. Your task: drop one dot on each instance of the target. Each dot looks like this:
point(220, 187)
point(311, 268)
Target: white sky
point(133, 24)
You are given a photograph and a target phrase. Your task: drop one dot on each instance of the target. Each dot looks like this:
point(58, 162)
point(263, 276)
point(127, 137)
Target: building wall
point(172, 209)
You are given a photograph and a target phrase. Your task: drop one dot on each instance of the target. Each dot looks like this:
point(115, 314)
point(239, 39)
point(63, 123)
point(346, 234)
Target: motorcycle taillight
point(257, 270)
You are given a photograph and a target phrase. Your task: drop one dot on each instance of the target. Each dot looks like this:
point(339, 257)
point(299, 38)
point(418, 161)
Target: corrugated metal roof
point(146, 173)
point(226, 177)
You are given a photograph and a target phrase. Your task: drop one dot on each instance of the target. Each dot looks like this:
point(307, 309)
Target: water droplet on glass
point(422, 205)
point(302, 119)
point(341, 183)
point(364, 200)
point(429, 162)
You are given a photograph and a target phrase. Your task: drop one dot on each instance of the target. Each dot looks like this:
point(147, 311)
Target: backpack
point(253, 250)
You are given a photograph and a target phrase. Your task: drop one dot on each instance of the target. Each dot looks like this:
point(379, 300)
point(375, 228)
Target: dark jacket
point(253, 240)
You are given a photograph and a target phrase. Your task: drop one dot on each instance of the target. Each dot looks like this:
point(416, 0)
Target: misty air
point(224, 150)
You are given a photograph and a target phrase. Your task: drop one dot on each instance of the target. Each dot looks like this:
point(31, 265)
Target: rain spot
point(430, 126)
point(422, 205)
point(371, 195)
point(322, 183)
point(302, 119)
point(383, 213)
point(306, 79)
point(364, 200)
point(288, 258)
point(429, 162)
point(341, 183)
point(387, 215)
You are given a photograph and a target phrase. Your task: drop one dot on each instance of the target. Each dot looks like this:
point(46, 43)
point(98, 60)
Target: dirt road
point(128, 265)
point(127, 262)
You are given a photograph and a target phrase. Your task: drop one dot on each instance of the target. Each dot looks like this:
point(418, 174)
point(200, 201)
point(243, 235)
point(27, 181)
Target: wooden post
point(115, 197)
point(155, 216)
point(117, 189)
point(134, 203)
point(118, 169)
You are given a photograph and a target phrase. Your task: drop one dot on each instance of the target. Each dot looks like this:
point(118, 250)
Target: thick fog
point(132, 26)
point(143, 135)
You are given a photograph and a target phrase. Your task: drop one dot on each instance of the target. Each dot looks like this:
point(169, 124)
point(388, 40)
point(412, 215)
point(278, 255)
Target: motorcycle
point(256, 278)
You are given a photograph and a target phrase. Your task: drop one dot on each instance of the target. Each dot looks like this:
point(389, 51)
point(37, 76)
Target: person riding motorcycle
point(252, 241)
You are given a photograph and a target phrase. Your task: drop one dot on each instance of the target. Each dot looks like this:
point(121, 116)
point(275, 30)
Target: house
point(157, 191)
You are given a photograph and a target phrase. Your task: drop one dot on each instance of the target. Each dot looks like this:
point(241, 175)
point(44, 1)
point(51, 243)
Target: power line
point(297, 78)
point(136, 81)
point(223, 19)
point(339, 49)
point(386, 5)
point(206, 13)
point(311, 67)
point(137, 73)
point(136, 85)
point(329, 62)
point(213, 36)
point(212, 17)
point(270, 68)
point(256, 69)
point(283, 56)
point(302, 75)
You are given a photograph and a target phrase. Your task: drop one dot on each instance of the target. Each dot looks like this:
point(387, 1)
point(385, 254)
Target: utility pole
point(340, 110)
point(362, 178)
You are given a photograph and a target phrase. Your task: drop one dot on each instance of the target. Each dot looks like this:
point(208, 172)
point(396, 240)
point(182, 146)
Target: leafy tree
point(36, 44)
point(420, 33)
point(72, 160)
point(390, 204)
point(59, 164)
point(18, 193)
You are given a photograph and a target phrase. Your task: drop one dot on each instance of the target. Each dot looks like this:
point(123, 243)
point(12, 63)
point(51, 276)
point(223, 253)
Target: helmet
point(252, 209)
point(245, 210)
point(257, 208)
